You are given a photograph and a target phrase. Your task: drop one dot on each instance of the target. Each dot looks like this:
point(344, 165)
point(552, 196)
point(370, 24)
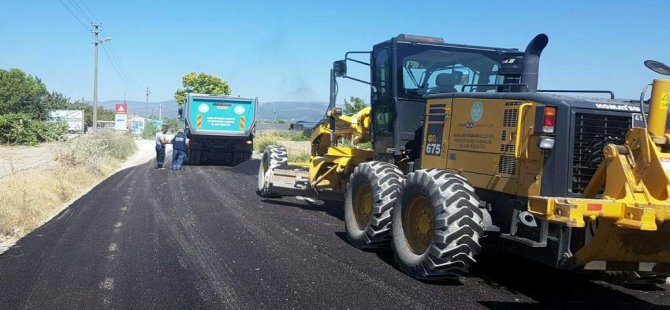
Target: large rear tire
point(273, 157)
point(371, 193)
point(437, 225)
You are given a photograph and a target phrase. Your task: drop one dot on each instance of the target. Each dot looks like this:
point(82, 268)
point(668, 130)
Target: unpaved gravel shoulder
point(14, 159)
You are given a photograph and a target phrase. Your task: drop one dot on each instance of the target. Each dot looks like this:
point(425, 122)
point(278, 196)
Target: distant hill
point(292, 111)
point(285, 110)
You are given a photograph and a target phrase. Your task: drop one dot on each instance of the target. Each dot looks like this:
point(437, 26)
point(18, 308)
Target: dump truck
point(467, 152)
point(219, 128)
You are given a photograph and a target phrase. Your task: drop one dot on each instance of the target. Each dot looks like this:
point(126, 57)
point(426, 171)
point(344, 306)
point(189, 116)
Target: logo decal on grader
point(476, 112)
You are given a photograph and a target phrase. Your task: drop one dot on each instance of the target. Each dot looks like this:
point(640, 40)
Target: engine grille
point(592, 133)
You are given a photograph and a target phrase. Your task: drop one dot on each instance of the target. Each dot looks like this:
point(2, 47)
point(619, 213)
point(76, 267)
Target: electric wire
point(82, 14)
point(74, 15)
point(90, 13)
point(117, 66)
point(115, 56)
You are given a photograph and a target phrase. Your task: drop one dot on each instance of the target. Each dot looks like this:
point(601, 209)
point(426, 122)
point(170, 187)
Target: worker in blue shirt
point(179, 144)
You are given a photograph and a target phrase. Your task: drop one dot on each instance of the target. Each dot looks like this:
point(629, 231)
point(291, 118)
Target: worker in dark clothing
point(179, 145)
point(161, 141)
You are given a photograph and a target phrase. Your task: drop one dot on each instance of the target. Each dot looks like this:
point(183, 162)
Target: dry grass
point(263, 138)
point(298, 151)
point(31, 197)
point(296, 144)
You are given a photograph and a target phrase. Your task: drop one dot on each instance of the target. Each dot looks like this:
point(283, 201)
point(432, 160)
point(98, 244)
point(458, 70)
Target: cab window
point(436, 71)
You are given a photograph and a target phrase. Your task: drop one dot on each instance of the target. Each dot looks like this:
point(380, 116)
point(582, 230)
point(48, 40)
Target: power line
point(111, 62)
point(80, 11)
point(127, 81)
point(83, 4)
point(74, 15)
point(115, 55)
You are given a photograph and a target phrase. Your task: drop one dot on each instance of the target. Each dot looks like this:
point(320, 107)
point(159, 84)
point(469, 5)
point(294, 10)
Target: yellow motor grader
point(466, 147)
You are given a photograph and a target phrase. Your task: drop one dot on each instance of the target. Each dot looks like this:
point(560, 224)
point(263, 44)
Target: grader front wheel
point(273, 157)
point(437, 224)
point(371, 193)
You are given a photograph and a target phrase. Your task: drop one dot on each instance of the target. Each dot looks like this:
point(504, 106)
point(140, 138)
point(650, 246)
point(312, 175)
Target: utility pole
point(96, 31)
point(146, 105)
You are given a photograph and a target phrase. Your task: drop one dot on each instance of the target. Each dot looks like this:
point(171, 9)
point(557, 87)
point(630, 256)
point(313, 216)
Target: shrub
point(20, 128)
point(150, 130)
point(261, 142)
point(95, 151)
point(298, 136)
point(298, 156)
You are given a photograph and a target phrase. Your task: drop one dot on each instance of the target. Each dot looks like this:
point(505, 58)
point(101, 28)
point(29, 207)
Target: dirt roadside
point(14, 159)
point(34, 157)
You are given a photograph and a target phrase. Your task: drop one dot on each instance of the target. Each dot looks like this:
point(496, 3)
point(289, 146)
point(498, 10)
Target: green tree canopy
point(55, 100)
point(201, 83)
point(22, 93)
point(353, 105)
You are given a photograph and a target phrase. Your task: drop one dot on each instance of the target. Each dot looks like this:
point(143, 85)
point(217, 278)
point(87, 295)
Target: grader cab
point(466, 148)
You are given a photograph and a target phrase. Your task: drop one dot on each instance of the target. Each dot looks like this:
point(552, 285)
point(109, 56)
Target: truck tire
point(240, 157)
point(194, 158)
point(273, 157)
point(437, 225)
point(371, 193)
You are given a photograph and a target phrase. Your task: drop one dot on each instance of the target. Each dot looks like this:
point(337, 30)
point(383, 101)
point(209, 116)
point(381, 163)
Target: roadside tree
point(353, 105)
point(22, 93)
point(201, 83)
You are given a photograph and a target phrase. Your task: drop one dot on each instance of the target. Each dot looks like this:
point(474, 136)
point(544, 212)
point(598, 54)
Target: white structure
point(136, 124)
point(74, 119)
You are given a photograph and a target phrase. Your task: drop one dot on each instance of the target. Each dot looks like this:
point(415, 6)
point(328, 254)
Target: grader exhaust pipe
point(531, 61)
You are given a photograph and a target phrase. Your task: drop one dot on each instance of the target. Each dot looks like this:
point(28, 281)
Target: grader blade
point(611, 244)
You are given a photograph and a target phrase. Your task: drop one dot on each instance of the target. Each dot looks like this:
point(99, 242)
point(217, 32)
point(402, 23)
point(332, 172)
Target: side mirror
point(181, 113)
point(340, 68)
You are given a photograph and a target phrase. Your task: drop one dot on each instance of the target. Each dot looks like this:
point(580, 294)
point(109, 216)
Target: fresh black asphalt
point(201, 238)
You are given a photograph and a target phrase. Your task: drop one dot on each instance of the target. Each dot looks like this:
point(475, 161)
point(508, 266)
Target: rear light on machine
point(549, 120)
point(249, 142)
point(547, 141)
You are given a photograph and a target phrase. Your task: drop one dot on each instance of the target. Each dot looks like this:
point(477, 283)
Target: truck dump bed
point(219, 128)
point(220, 115)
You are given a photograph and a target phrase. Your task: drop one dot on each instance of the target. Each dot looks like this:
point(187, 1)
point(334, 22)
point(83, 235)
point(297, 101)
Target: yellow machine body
point(491, 151)
point(625, 205)
point(331, 165)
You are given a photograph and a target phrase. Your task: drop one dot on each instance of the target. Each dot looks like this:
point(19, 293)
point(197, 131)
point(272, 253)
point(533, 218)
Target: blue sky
point(282, 50)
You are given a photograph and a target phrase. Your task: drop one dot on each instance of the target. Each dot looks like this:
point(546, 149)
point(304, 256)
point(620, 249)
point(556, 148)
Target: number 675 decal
point(433, 149)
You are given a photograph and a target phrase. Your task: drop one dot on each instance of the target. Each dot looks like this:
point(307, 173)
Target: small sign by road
point(121, 108)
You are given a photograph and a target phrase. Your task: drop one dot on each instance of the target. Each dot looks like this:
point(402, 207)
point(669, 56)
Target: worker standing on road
point(179, 144)
point(160, 148)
